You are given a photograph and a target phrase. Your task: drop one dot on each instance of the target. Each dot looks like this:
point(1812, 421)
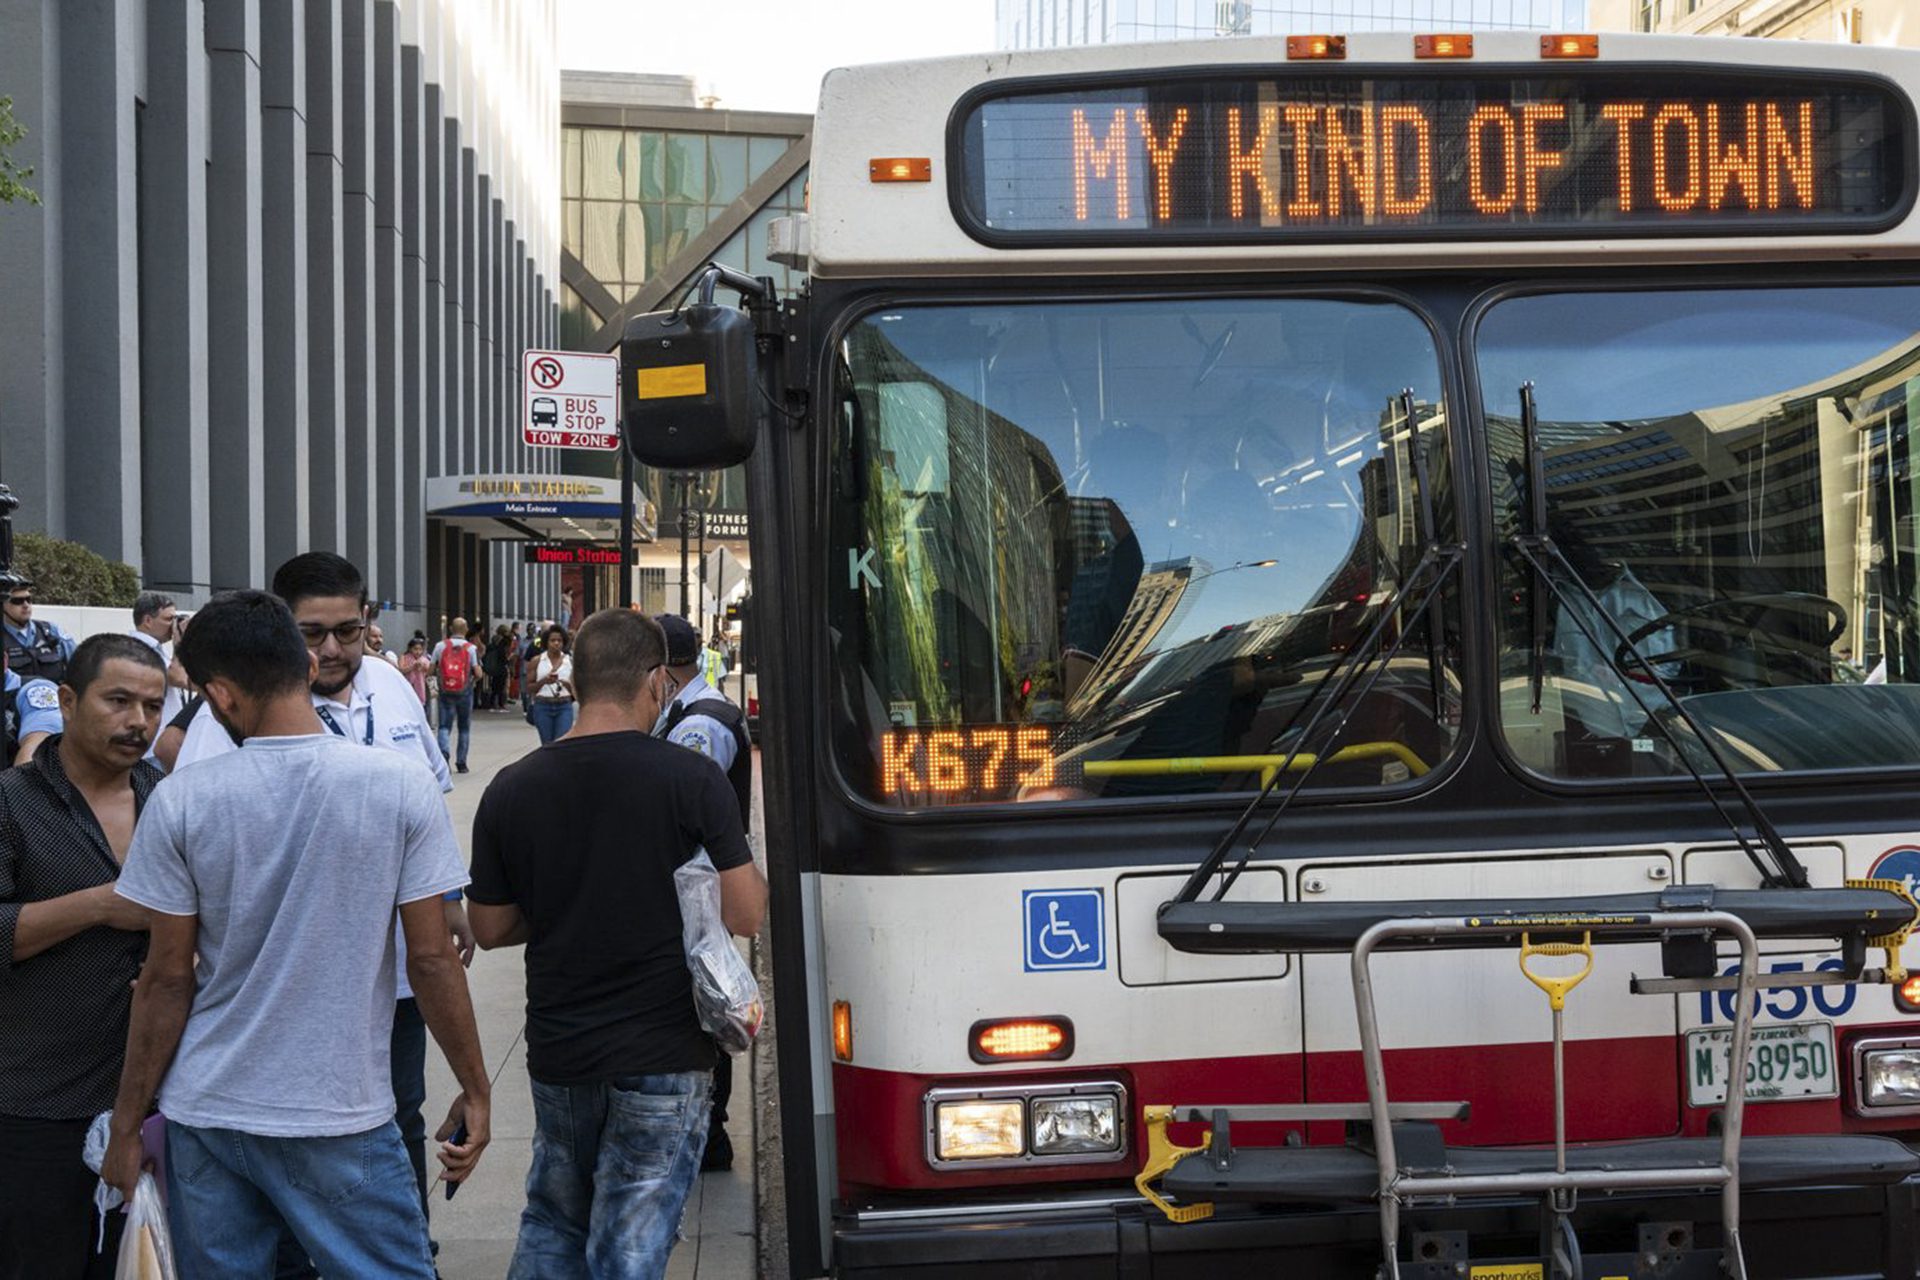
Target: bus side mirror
point(690, 387)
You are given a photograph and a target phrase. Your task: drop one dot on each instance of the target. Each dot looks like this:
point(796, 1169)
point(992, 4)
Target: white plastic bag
point(146, 1250)
point(725, 995)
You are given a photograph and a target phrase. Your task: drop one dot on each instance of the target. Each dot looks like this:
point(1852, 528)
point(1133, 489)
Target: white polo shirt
point(382, 710)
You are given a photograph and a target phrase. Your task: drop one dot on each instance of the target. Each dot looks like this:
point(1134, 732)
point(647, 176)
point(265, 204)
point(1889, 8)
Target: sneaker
point(459, 768)
point(719, 1153)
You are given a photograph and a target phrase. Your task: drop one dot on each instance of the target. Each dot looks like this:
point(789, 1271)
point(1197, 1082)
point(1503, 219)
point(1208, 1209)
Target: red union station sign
point(571, 553)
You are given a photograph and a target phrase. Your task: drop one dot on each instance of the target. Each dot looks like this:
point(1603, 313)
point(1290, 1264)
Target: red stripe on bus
point(1621, 1088)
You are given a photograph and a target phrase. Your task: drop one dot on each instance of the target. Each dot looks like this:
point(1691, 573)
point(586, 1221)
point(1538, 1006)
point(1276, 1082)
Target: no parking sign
point(571, 400)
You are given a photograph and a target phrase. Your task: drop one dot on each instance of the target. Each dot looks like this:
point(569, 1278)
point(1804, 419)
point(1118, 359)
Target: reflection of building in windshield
point(1155, 607)
point(1807, 491)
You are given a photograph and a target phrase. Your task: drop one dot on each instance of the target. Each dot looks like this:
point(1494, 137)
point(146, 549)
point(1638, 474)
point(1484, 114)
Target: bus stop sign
point(571, 400)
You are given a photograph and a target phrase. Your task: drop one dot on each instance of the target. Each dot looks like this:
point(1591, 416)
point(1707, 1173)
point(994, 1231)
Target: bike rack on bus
point(1689, 914)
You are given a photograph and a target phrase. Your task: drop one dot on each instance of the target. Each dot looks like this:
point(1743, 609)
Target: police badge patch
point(42, 696)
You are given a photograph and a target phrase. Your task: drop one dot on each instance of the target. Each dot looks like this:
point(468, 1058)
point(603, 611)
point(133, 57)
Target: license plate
point(1788, 1060)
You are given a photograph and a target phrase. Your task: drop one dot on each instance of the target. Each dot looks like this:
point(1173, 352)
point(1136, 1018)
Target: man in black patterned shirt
point(70, 949)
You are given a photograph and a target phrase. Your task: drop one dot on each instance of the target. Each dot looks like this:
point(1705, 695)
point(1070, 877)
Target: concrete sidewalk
point(476, 1229)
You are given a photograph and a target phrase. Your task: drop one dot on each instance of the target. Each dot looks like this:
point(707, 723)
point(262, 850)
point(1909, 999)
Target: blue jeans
point(552, 717)
point(612, 1166)
point(456, 706)
point(350, 1201)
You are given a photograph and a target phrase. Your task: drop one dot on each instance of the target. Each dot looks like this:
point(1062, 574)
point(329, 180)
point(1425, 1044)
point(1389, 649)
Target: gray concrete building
point(288, 255)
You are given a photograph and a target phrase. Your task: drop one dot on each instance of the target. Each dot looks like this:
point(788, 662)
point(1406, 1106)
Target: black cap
point(683, 642)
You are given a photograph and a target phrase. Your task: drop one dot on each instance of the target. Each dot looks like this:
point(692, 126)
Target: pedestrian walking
point(368, 704)
point(416, 666)
point(35, 649)
point(263, 1015)
point(553, 695)
point(456, 664)
point(70, 950)
point(702, 718)
point(574, 850)
point(529, 654)
point(495, 661)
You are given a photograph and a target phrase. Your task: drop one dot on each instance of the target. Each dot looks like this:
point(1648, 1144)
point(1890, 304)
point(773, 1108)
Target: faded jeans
point(552, 718)
point(350, 1201)
point(612, 1166)
point(456, 708)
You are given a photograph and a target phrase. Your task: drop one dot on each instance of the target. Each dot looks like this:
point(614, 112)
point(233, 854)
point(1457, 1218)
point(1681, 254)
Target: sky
point(765, 55)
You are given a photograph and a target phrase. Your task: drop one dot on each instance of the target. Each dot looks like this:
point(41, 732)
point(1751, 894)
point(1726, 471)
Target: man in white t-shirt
point(368, 704)
point(456, 666)
point(156, 624)
point(261, 1018)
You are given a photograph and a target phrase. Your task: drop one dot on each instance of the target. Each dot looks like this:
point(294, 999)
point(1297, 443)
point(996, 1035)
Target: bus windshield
point(1731, 472)
point(1086, 550)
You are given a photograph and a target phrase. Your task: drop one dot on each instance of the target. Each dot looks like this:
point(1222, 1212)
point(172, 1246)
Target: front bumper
point(1801, 1233)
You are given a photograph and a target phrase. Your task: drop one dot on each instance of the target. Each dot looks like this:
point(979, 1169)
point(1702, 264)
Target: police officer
point(29, 715)
point(35, 650)
point(704, 719)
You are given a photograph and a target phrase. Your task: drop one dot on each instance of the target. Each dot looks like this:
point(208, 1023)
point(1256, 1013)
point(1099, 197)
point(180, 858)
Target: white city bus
point(1225, 507)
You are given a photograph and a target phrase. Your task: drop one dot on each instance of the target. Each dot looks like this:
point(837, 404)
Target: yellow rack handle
point(1162, 1155)
point(1556, 988)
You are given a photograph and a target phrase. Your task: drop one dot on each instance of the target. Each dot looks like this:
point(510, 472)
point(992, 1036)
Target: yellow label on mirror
point(669, 381)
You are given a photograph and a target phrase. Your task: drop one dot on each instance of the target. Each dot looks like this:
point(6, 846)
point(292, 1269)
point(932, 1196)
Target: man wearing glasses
point(369, 703)
point(35, 650)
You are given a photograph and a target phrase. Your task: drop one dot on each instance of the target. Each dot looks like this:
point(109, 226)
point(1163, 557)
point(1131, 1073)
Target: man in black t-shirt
point(574, 850)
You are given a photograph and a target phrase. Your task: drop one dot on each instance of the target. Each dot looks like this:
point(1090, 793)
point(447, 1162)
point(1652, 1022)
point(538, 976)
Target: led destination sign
point(1339, 156)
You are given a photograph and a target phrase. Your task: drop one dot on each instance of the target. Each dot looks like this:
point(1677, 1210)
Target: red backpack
point(456, 666)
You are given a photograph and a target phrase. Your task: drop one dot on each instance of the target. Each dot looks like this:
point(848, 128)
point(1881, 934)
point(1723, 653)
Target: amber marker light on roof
point(1453, 46)
point(1020, 1040)
point(1569, 46)
point(900, 169)
point(1330, 48)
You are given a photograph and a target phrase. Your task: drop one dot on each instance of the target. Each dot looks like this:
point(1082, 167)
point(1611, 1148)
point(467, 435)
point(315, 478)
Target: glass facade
point(633, 199)
point(1046, 24)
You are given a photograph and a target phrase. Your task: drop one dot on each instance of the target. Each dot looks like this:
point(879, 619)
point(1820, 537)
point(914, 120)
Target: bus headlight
point(1890, 1078)
point(980, 1130)
point(1076, 1126)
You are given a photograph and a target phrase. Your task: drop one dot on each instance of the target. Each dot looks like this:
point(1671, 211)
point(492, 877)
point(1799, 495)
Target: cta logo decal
point(1901, 863)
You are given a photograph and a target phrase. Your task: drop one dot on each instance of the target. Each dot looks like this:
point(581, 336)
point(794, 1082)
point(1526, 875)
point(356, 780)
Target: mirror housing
point(690, 388)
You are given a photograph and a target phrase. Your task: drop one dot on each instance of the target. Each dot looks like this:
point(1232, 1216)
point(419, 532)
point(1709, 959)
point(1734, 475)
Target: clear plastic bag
point(146, 1250)
point(725, 995)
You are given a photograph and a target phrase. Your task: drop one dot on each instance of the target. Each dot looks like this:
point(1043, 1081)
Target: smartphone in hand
point(459, 1139)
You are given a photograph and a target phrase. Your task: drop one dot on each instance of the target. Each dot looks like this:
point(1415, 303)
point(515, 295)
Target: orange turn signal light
point(842, 1031)
point(1020, 1040)
point(1906, 996)
point(1569, 46)
point(900, 169)
point(1331, 48)
point(1453, 46)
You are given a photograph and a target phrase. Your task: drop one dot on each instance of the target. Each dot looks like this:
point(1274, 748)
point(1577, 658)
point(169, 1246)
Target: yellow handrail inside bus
point(1162, 1155)
point(1266, 766)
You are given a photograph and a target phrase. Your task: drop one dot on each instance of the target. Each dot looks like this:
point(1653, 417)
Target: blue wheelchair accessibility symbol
point(1066, 929)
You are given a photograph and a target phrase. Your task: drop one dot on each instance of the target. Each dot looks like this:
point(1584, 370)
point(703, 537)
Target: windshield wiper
point(1542, 555)
point(1437, 563)
point(1428, 525)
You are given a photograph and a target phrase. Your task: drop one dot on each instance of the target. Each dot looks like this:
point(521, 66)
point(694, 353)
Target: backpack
point(456, 667)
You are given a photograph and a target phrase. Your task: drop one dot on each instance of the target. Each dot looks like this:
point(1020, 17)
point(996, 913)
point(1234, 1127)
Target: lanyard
point(327, 717)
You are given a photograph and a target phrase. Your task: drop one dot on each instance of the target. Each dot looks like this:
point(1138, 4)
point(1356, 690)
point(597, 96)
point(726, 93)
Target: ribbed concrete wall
point(289, 254)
